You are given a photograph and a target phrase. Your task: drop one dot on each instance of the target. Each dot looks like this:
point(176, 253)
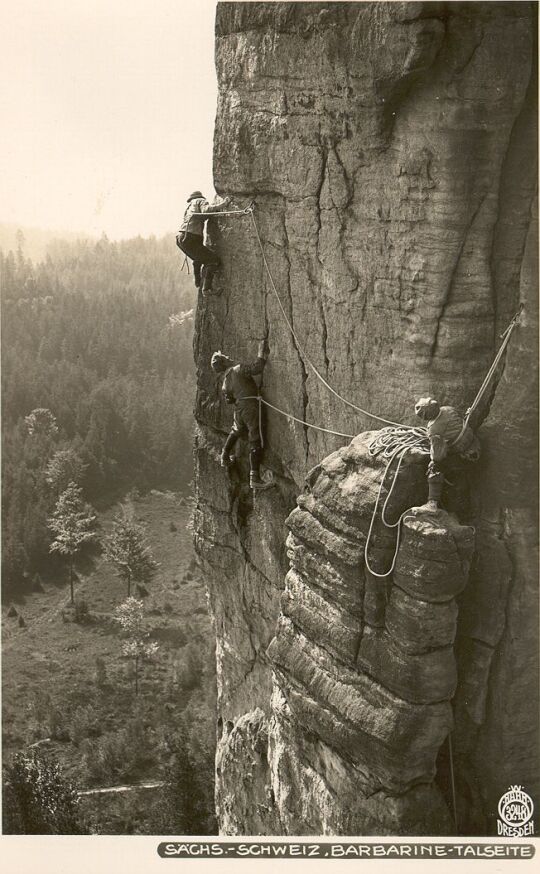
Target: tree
point(38, 800)
point(41, 421)
point(127, 549)
point(64, 467)
point(72, 523)
point(130, 615)
point(21, 240)
point(183, 808)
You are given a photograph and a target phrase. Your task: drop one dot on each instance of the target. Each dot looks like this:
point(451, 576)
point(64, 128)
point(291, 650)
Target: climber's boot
point(257, 484)
point(208, 276)
point(197, 273)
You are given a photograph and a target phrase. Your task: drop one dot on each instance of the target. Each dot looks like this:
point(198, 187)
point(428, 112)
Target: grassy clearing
point(67, 686)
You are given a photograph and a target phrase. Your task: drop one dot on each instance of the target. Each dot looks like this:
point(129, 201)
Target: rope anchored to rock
point(505, 337)
point(394, 443)
point(262, 400)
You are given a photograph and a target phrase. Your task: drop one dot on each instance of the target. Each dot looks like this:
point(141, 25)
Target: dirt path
point(110, 790)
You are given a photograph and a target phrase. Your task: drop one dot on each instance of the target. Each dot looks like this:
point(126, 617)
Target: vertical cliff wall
point(391, 151)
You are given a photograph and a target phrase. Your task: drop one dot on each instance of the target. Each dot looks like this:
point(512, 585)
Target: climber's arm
point(221, 206)
point(438, 448)
point(254, 368)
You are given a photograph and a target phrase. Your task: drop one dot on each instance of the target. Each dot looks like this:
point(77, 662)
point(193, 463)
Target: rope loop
point(392, 443)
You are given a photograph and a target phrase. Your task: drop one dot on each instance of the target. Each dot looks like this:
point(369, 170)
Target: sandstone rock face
point(391, 151)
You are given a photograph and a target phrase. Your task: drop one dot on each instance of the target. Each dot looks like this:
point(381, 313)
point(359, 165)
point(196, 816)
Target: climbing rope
point(249, 210)
point(245, 211)
point(392, 443)
point(505, 337)
point(301, 348)
point(452, 780)
point(261, 400)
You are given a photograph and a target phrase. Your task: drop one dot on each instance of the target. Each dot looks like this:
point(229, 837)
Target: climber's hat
point(220, 362)
point(195, 194)
point(427, 408)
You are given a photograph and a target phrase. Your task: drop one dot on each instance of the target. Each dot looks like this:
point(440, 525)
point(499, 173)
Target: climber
point(240, 389)
point(189, 238)
point(447, 434)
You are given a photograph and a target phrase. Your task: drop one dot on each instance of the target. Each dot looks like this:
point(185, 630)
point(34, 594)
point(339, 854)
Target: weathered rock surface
point(391, 150)
point(376, 698)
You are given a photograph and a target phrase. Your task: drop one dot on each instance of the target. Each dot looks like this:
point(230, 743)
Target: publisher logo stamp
point(515, 813)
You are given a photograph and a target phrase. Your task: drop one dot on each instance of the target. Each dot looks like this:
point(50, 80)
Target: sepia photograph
point(269, 477)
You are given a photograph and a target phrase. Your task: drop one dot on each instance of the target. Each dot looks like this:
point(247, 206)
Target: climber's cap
point(220, 362)
point(427, 408)
point(195, 194)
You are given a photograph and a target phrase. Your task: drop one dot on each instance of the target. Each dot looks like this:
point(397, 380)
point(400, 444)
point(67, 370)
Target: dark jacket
point(238, 382)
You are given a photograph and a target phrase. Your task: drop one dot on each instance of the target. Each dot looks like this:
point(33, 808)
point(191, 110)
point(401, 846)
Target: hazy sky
point(107, 111)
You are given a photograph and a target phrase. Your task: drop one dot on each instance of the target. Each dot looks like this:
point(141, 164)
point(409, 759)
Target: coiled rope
point(392, 443)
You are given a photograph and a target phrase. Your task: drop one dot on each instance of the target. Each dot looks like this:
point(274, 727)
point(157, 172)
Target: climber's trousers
point(435, 481)
point(192, 245)
point(246, 426)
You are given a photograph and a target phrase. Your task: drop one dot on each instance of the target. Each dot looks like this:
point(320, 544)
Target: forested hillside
point(86, 335)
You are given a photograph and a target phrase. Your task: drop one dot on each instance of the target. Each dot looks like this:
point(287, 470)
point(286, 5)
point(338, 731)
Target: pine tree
point(38, 800)
point(127, 549)
point(72, 523)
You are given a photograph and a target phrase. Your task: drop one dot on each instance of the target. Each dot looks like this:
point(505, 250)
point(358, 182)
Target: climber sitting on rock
point(240, 389)
point(189, 238)
point(447, 434)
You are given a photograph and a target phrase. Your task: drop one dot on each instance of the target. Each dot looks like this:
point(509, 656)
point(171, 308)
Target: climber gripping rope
point(190, 237)
point(240, 389)
point(448, 434)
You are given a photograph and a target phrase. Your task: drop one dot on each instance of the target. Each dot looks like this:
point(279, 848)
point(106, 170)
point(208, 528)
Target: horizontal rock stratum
point(391, 152)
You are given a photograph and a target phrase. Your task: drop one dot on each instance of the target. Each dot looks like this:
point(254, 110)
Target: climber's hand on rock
point(262, 349)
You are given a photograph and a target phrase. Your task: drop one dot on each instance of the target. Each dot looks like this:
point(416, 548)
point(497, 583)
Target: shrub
point(84, 723)
point(38, 799)
point(81, 612)
point(119, 755)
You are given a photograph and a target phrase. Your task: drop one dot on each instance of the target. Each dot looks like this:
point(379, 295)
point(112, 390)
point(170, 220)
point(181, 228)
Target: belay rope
point(391, 442)
point(299, 345)
point(249, 210)
point(394, 443)
point(262, 400)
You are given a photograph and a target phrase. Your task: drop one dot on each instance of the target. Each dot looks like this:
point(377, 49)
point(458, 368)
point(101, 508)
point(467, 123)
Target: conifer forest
point(108, 662)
